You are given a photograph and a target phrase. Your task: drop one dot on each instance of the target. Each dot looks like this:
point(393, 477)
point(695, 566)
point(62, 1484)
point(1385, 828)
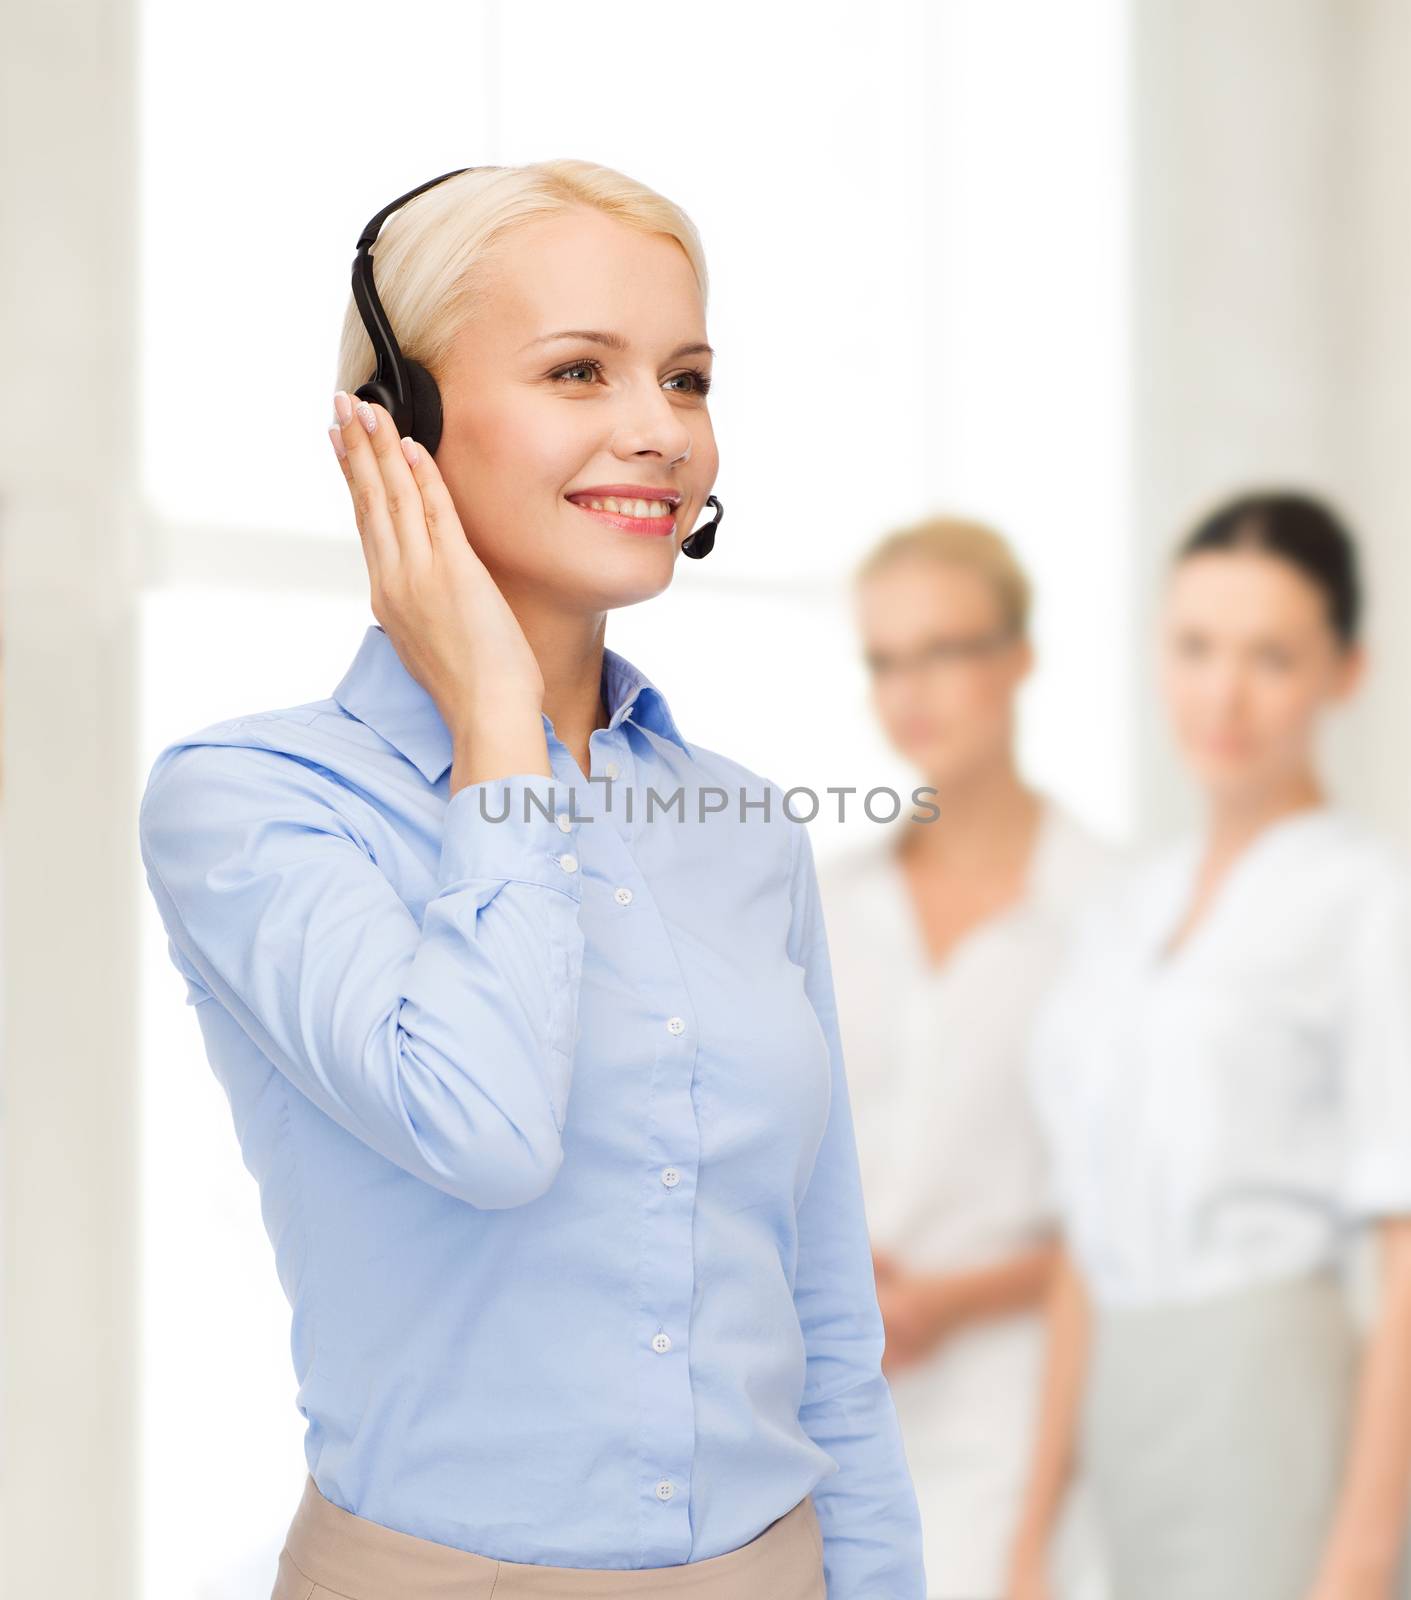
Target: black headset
point(407, 391)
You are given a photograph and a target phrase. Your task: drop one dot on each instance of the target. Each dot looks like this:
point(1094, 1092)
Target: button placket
point(672, 1277)
point(668, 1269)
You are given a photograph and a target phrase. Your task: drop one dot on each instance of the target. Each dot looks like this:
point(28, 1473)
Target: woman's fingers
point(417, 554)
point(364, 479)
point(443, 522)
point(375, 455)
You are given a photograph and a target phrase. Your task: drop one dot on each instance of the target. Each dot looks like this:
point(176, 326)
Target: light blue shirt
point(551, 1128)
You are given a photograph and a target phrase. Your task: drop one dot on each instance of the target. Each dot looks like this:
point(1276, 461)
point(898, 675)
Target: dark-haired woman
point(1223, 1071)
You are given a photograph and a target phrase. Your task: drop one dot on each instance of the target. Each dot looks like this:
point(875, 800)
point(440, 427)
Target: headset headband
point(403, 387)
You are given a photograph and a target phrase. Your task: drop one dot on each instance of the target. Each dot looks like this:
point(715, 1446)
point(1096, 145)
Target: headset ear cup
point(377, 394)
point(425, 422)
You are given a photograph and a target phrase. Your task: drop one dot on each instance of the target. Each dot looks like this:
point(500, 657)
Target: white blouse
point(953, 1161)
point(1225, 1115)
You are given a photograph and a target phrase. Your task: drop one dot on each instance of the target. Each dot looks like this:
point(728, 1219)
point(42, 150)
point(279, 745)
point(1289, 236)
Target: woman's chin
point(626, 577)
point(1233, 778)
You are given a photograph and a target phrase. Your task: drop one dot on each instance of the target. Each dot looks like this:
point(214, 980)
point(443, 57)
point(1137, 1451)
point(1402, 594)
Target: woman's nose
point(651, 423)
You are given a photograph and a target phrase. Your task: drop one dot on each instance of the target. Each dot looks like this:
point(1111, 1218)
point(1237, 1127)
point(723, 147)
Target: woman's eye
point(586, 365)
point(700, 381)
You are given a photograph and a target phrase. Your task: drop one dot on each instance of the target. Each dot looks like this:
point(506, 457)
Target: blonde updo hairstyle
point(958, 542)
point(429, 253)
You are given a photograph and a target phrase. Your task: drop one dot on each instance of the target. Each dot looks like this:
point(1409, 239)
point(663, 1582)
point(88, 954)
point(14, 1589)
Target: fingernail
point(343, 406)
point(366, 415)
point(336, 434)
point(409, 449)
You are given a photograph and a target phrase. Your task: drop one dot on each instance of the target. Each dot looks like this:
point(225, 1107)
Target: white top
point(1222, 1116)
point(952, 1159)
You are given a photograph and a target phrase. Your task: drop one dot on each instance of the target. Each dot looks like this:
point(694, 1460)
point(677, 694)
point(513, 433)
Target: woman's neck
point(1234, 818)
point(569, 651)
point(985, 817)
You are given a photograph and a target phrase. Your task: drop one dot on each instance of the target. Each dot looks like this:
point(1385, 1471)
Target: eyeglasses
point(940, 657)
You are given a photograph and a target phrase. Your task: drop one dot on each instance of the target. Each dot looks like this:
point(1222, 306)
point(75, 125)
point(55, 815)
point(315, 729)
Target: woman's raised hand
point(434, 598)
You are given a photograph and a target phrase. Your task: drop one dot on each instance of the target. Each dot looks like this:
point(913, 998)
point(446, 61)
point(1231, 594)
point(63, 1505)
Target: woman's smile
point(633, 508)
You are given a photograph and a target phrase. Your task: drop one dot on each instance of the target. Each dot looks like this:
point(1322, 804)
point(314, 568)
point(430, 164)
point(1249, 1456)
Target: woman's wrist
point(943, 1308)
point(470, 720)
point(1038, 1515)
point(1360, 1564)
point(497, 745)
point(1028, 1554)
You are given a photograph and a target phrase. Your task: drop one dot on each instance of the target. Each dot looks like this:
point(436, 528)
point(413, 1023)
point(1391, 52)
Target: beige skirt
point(1214, 1440)
point(330, 1554)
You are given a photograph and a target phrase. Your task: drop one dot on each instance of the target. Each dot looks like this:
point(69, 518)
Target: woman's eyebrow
point(615, 341)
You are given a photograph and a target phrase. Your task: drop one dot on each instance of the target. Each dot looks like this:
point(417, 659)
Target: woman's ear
point(1351, 670)
point(1024, 660)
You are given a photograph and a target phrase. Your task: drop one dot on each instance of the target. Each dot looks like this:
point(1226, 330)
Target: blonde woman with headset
point(944, 935)
point(543, 1090)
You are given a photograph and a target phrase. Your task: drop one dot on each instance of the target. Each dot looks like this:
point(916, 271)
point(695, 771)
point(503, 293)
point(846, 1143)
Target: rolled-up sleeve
point(445, 1045)
point(867, 1509)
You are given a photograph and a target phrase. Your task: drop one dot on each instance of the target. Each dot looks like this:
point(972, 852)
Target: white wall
point(68, 1151)
point(1272, 144)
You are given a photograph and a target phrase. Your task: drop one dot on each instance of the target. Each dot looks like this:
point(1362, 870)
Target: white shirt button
point(564, 821)
point(670, 1177)
point(661, 1343)
point(623, 896)
point(675, 1025)
point(665, 1489)
point(611, 768)
point(569, 863)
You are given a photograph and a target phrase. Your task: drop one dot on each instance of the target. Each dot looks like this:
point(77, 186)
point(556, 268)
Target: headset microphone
point(406, 390)
point(702, 541)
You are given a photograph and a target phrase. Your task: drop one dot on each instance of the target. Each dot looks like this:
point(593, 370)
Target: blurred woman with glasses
point(1224, 1075)
point(943, 934)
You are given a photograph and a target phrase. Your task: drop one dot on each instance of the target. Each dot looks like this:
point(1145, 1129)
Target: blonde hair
point(429, 251)
point(960, 542)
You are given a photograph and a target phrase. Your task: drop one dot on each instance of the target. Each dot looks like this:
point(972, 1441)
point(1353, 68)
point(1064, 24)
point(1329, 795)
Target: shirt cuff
point(505, 829)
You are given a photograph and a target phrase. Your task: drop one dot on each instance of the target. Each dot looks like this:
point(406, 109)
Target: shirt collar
point(378, 690)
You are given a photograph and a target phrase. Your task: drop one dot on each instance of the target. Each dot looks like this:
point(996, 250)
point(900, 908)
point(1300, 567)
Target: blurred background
point(1077, 270)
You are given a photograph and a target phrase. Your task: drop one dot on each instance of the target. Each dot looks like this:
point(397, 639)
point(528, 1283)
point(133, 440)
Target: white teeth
point(630, 508)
